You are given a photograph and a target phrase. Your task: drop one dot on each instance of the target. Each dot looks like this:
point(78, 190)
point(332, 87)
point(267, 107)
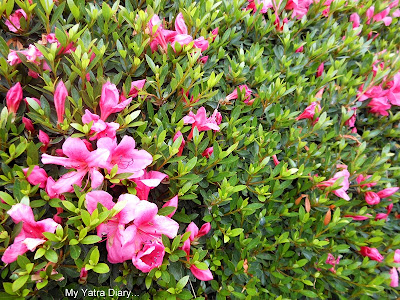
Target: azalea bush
point(208, 149)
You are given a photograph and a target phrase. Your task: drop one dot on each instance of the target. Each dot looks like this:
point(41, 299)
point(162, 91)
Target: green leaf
point(165, 211)
point(75, 251)
point(51, 255)
point(90, 239)
point(19, 283)
point(101, 268)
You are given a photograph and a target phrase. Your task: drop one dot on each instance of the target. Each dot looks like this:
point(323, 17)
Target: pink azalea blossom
point(176, 136)
point(207, 153)
point(393, 94)
point(195, 234)
point(149, 257)
point(44, 139)
point(135, 232)
point(14, 97)
point(13, 21)
point(387, 192)
point(99, 128)
point(234, 94)
point(394, 277)
point(180, 26)
point(135, 87)
point(344, 186)
point(384, 216)
point(352, 121)
point(300, 49)
point(331, 260)
point(355, 19)
point(31, 234)
point(309, 112)
point(28, 124)
point(359, 217)
point(201, 121)
point(81, 159)
point(299, 7)
point(320, 70)
point(174, 203)
point(36, 176)
point(201, 43)
point(265, 5)
point(372, 253)
point(51, 38)
point(381, 16)
point(372, 198)
point(60, 95)
point(396, 257)
point(109, 100)
point(379, 106)
point(362, 178)
point(124, 154)
point(146, 182)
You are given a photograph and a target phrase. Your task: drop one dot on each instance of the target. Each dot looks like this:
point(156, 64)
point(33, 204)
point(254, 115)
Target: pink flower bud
point(14, 97)
point(37, 176)
point(28, 124)
point(204, 229)
point(60, 95)
point(276, 161)
point(320, 70)
point(44, 138)
point(214, 33)
point(83, 276)
point(372, 198)
point(387, 192)
point(207, 153)
point(173, 202)
point(135, 87)
point(394, 277)
point(204, 59)
point(300, 49)
point(362, 178)
point(309, 112)
point(176, 136)
point(372, 253)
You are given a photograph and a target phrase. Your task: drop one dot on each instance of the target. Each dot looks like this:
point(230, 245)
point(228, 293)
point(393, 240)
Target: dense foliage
point(203, 149)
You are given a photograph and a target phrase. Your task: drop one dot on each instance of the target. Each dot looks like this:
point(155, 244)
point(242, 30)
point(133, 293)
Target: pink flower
point(384, 216)
point(13, 21)
point(394, 277)
point(45, 140)
point(320, 70)
point(133, 232)
point(33, 74)
point(150, 257)
point(352, 121)
point(124, 154)
point(372, 253)
point(60, 95)
point(309, 112)
point(195, 233)
point(148, 181)
point(180, 26)
point(379, 106)
point(81, 159)
point(56, 217)
point(14, 97)
point(135, 87)
point(214, 33)
point(362, 178)
point(382, 16)
point(234, 94)
point(387, 192)
point(99, 128)
point(28, 124)
point(344, 186)
point(174, 203)
point(265, 5)
point(393, 94)
point(201, 121)
point(176, 136)
point(396, 257)
point(300, 49)
point(331, 260)
point(299, 7)
point(358, 217)
point(31, 234)
point(83, 275)
point(355, 19)
point(36, 176)
point(372, 198)
point(207, 153)
point(201, 43)
point(203, 59)
point(276, 161)
point(109, 100)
